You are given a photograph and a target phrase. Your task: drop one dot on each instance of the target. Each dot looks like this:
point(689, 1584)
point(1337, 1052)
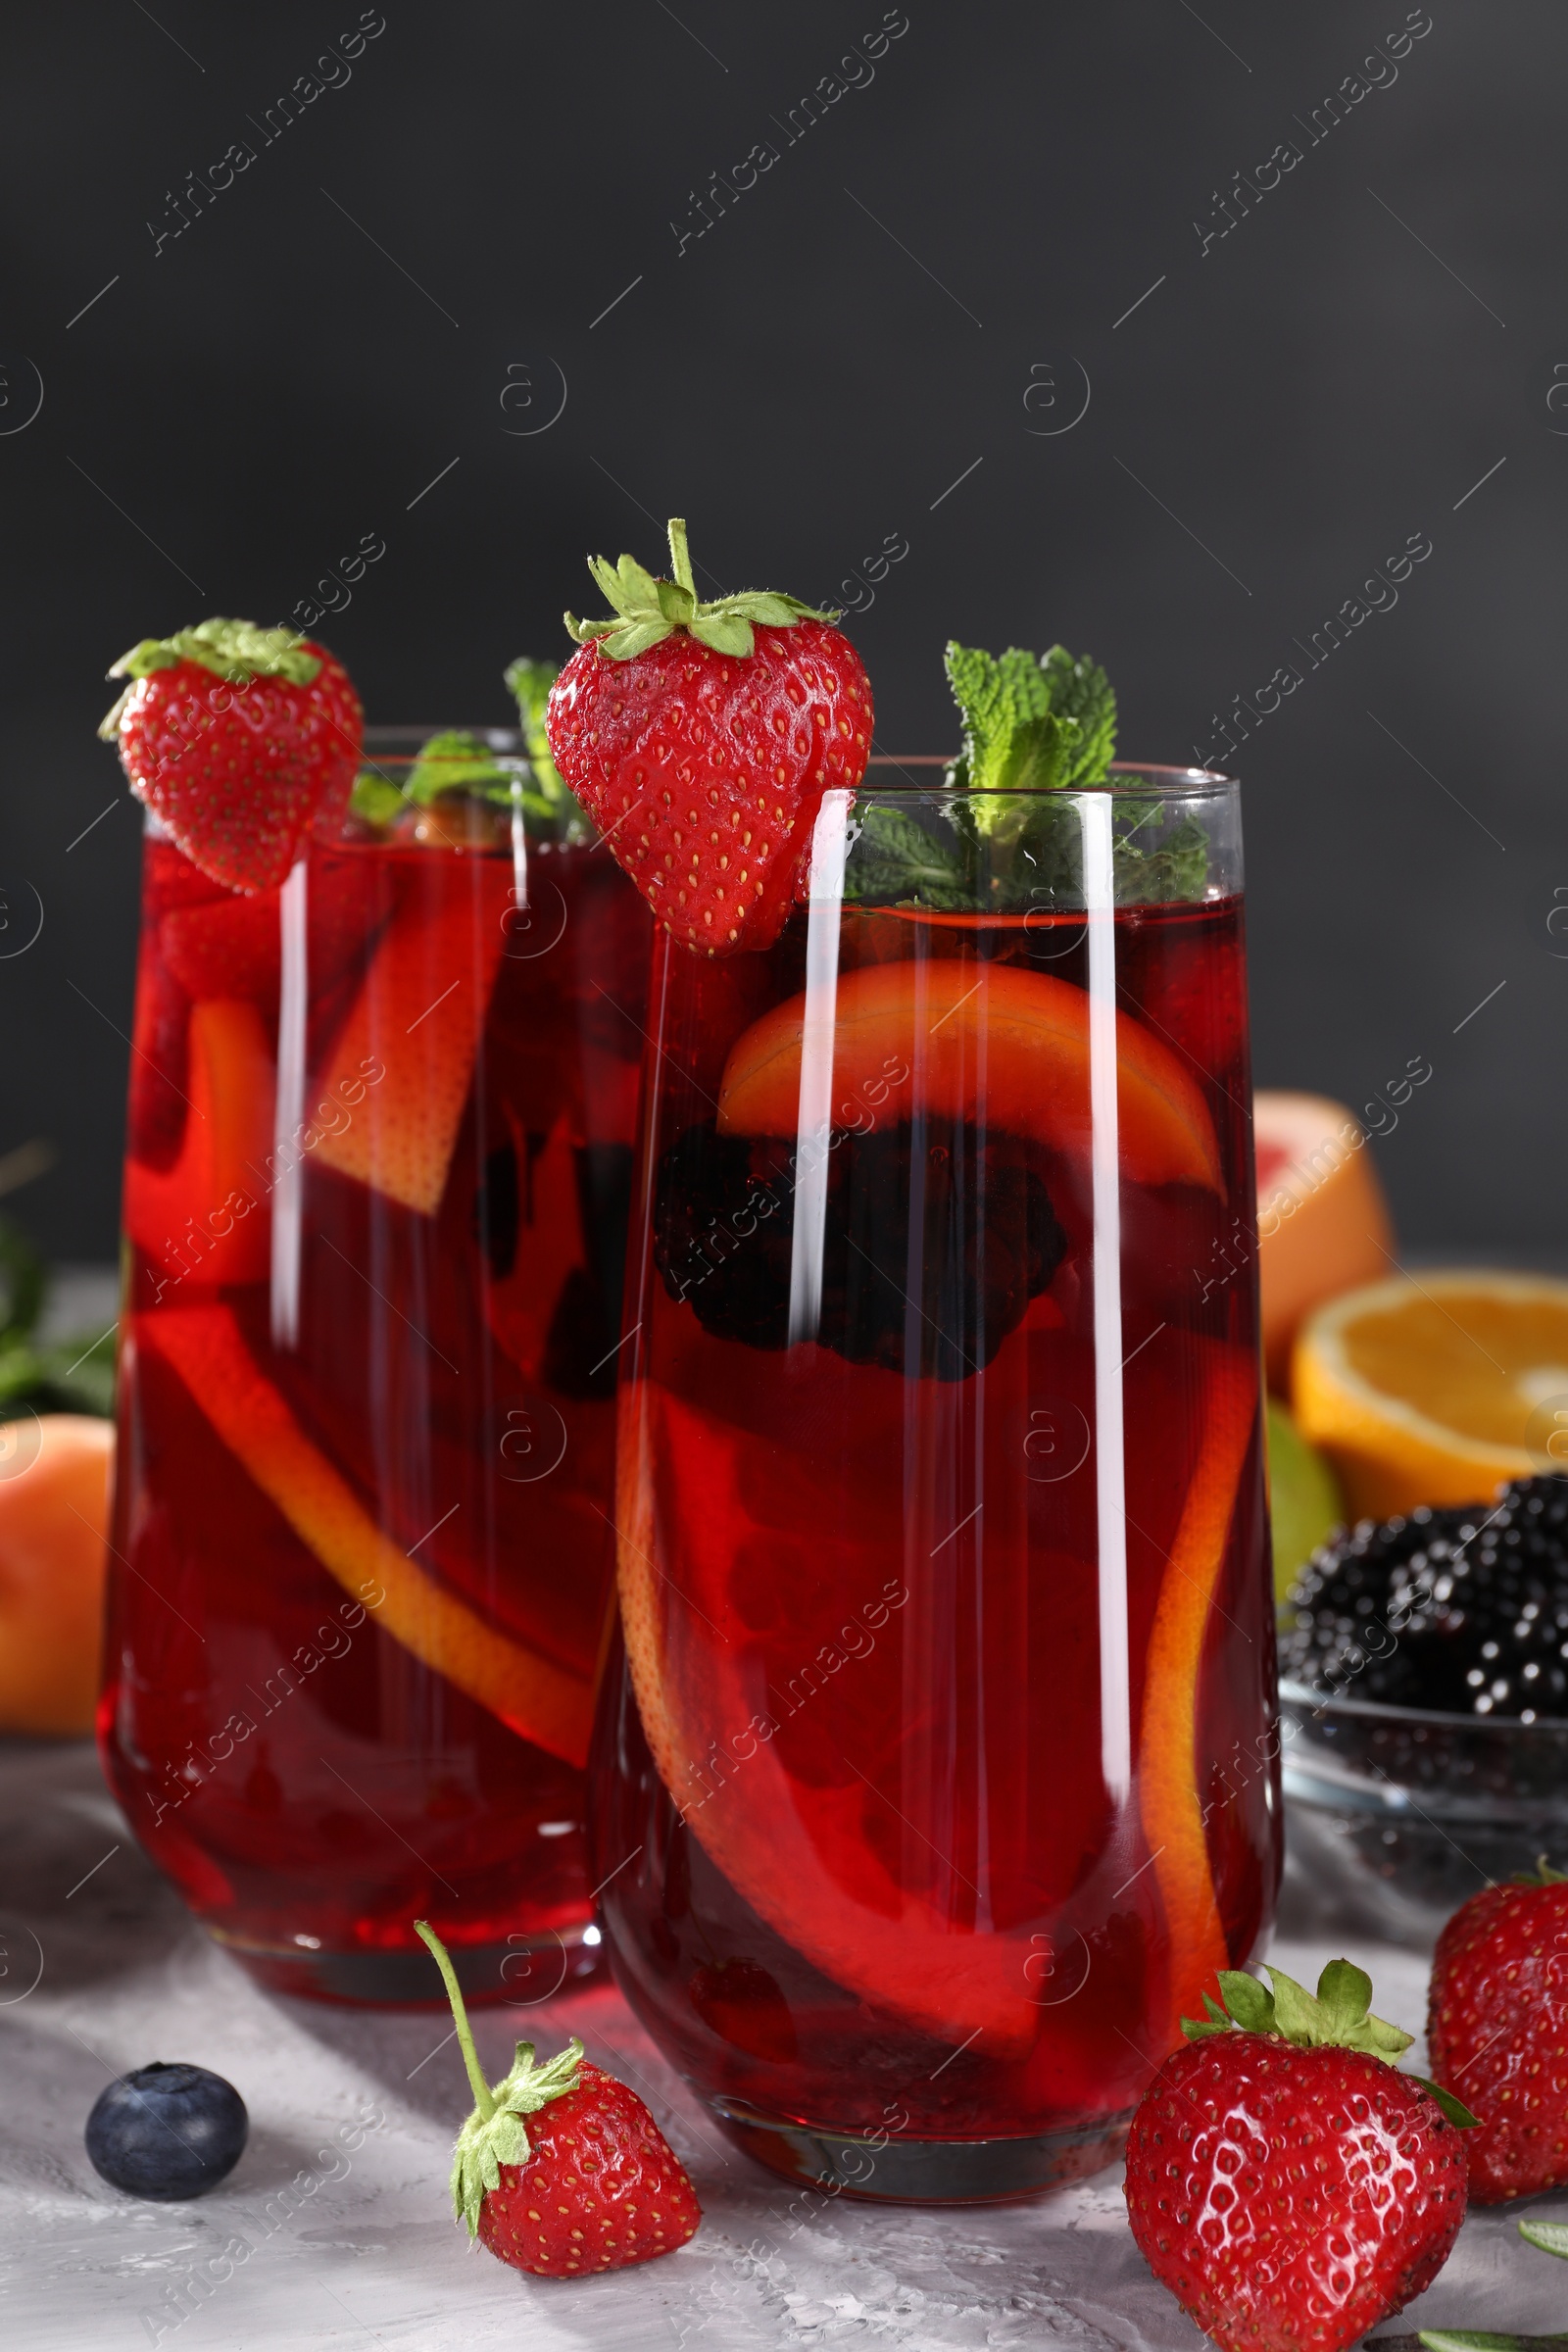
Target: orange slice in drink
point(1436, 1387)
point(414, 1031)
point(205, 1219)
point(1010, 1043)
point(530, 1694)
point(797, 1850)
point(1322, 1222)
point(1167, 1760)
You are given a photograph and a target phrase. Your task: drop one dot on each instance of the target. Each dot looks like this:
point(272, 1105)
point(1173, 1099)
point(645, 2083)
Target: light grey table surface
point(340, 2199)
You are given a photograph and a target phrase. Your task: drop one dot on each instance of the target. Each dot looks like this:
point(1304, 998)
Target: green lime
point(1304, 1499)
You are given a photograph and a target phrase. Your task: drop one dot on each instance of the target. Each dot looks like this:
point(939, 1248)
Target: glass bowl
point(1395, 1815)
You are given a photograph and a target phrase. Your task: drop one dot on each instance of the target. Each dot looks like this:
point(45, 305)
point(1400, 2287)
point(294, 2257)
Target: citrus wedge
point(205, 1219)
point(798, 1851)
point(1322, 1221)
point(530, 1694)
point(1168, 1796)
point(414, 1031)
point(1015, 1042)
point(1436, 1389)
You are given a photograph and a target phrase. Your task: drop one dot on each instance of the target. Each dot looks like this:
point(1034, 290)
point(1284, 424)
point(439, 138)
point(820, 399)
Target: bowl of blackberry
point(1424, 1708)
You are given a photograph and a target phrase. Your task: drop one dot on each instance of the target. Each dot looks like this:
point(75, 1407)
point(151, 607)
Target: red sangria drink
point(939, 1778)
point(378, 1166)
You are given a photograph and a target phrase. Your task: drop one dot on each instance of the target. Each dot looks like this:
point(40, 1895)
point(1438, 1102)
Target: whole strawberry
point(589, 2184)
point(700, 739)
point(1287, 2184)
point(240, 739)
point(1498, 2024)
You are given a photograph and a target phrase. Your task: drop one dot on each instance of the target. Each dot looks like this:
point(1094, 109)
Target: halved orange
point(1437, 1387)
point(1014, 1043)
point(1322, 1222)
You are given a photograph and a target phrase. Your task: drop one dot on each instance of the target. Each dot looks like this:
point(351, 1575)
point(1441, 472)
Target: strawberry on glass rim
point(701, 737)
point(242, 740)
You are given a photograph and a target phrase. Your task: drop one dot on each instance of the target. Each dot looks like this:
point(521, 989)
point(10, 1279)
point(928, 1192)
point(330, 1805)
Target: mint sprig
point(546, 796)
point(1046, 725)
point(1033, 730)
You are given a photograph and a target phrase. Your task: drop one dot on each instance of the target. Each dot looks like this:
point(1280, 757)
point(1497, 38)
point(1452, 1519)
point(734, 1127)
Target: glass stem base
point(520, 1971)
point(903, 2170)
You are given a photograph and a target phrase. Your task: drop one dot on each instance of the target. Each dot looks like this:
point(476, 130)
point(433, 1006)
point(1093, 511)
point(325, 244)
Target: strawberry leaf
point(648, 610)
point(725, 632)
point(494, 2133)
point(1551, 2237)
point(1457, 2113)
point(1542, 1875)
point(1249, 2003)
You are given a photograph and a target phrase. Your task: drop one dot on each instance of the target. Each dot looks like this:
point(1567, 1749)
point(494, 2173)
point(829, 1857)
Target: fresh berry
point(232, 947)
point(1287, 2184)
point(589, 2184)
point(1497, 2027)
point(1463, 1609)
point(989, 1241)
point(159, 1062)
point(240, 739)
point(166, 2132)
point(700, 739)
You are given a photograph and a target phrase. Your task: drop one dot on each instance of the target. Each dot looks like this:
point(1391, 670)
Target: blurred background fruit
point(1323, 1223)
point(54, 1509)
point(1435, 1390)
point(1305, 1501)
point(55, 1451)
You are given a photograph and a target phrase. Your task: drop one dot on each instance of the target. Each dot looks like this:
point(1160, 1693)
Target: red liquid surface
point(873, 1869)
point(302, 1773)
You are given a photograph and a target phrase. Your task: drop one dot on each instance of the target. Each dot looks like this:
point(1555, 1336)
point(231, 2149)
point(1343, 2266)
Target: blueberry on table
point(166, 2132)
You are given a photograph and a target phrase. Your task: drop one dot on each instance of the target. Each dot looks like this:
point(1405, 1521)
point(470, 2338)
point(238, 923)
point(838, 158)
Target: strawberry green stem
point(680, 562)
point(483, 2099)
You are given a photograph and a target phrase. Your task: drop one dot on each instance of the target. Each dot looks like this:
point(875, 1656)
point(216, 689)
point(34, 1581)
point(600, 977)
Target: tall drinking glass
point(939, 1775)
point(378, 1166)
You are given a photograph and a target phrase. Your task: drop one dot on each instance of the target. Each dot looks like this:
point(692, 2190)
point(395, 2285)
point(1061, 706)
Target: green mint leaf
point(23, 1281)
point(456, 761)
point(1081, 690)
point(1551, 2237)
point(1474, 2340)
point(528, 682)
point(1177, 870)
point(375, 797)
point(997, 695)
point(894, 861)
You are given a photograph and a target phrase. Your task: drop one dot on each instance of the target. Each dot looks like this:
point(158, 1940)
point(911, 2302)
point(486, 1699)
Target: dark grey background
point(918, 290)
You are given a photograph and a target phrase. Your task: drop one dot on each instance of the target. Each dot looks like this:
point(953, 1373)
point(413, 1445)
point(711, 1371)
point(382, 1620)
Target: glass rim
point(1384, 1711)
point(404, 742)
